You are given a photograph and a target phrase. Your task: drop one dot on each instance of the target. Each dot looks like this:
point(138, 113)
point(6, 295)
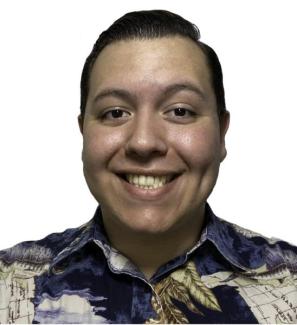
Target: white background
point(43, 45)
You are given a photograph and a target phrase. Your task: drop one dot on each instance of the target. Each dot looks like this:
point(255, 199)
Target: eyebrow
point(130, 97)
point(115, 92)
point(174, 88)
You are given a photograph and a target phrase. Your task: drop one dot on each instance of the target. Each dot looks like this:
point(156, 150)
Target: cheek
point(198, 147)
point(99, 146)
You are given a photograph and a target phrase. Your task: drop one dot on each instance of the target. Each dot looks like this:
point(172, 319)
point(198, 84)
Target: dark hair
point(148, 25)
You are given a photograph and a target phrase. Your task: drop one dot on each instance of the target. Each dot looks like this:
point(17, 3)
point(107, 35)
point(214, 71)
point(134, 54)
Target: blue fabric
point(232, 275)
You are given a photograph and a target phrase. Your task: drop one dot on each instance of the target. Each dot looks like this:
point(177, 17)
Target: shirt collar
point(86, 233)
point(93, 231)
point(241, 247)
point(230, 240)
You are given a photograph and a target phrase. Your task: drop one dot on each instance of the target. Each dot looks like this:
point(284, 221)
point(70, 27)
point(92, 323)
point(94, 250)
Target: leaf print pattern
point(166, 314)
point(183, 285)
point(197, 288)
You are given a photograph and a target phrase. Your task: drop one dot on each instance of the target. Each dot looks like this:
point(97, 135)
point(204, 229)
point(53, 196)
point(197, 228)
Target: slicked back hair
point(150, 24)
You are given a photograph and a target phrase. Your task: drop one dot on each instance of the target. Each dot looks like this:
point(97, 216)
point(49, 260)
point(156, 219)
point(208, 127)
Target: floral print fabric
point(232, 275)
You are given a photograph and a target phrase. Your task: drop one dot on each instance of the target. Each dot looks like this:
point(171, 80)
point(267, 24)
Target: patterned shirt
point(231, 275)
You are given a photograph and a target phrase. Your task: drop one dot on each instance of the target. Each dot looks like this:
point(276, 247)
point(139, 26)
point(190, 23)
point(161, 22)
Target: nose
point(147, 138)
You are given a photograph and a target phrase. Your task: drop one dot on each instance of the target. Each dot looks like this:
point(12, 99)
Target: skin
point(166, 122)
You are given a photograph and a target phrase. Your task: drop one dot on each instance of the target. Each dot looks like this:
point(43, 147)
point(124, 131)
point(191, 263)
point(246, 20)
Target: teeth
point(147, 182)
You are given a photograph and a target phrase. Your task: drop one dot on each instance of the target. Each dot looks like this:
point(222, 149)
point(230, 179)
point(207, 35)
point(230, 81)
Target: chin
point(149, 228)
point(150, 222)
point(145, 221)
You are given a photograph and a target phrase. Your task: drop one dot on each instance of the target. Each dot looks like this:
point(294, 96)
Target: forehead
point(154, 63)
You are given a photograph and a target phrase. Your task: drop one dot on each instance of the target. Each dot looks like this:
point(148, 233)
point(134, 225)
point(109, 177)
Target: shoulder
point(22, 263)
point(276, 254)
point(262, 270)
point(34, 257)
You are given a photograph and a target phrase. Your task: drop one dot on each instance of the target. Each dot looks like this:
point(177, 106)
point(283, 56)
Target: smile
point(149, 187)
point(148, 182)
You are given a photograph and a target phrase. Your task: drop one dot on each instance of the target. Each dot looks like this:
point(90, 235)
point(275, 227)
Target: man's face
point(152, 139)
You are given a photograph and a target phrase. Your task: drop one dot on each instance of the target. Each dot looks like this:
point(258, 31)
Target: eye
point(115, 113)
point(180, 112)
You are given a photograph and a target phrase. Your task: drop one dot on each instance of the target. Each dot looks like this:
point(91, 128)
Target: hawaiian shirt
point(232, 275)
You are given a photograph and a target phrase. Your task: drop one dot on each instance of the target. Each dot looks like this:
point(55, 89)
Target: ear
point(80, 123)
point(224, 125)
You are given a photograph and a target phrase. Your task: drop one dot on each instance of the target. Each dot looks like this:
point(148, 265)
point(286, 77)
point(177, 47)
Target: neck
point(149, 251)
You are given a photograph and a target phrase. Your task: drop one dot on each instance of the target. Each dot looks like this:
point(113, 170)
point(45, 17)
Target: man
point(153, 120)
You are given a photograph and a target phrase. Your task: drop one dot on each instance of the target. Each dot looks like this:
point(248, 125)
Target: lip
point(149, 195)
point(146, 172)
